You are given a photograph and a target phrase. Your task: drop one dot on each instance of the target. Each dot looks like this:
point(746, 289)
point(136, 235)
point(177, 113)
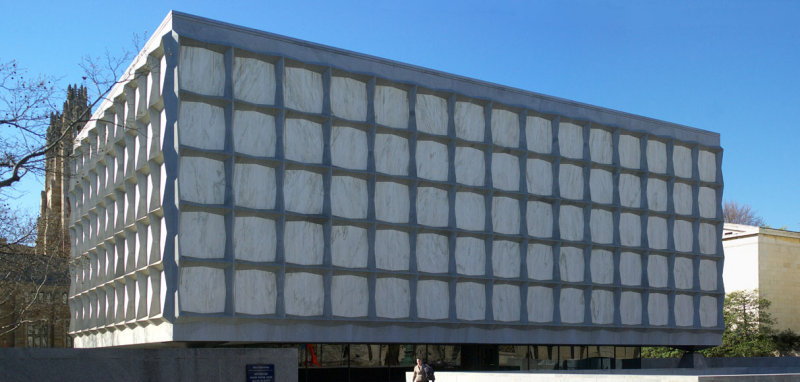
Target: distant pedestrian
point(422, 372)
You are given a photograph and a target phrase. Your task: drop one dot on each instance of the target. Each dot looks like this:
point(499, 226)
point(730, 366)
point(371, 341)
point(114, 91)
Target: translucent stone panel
point(601, 265)
point(630, 191)
point(349, 98)
point(201, 71)
point(254, 133)
point(432, 253)
point(202, 235)
point(505, 259)
point(656, 156)
point(302, 90)
point(505, 302)
point(470, 211)
point(349, 246)
point(708, 239)
point(682, 161)
point(682, 198)
point(254, 238)
point(470, 166)
point(708, 311)
point(630, 308)
point(570, 222)
point(349, 197)
point(302, 191)
point(540, 219)
point(431, 113)
point(657, 271)
point(601, 186)
point(601, 226)
point(253, 80)
point(683, 273)
point(602, 307)
point(202, 290)
point(539, 134)
point(430, 294)
point(539, 177)
point(470, 301)
point(505, 128)
point(629, 151)
point(392, 297)
point(570, 140)
point(349, 147)
point(540, 262)
point(470, 256)
point(630, 230)
point(201, 180)
point(707, 201)
point(572, 304)
point(304, 294)
point(432, 206)
point(707, 165)
point(600, 146)
point(302, 140)
point(303, 243)
point(391, 154)
point(391, 202)
point(505, 172)
point(684, 310)
point(570, 181)
point(201, 125)
point(256, 292)
point(505, 215)
point(708, 275)
point(432, 160)
point(571, 264)
point(254, 185)
point(657, 232)
point(658, 309)
point(656, 194)
point(349, 296)
point(683, 236)
point(540, 304)
point(391, 107)
point(470, 121)
point(392, 250)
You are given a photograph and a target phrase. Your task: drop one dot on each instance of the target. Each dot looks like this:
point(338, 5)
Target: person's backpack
point(428, 370)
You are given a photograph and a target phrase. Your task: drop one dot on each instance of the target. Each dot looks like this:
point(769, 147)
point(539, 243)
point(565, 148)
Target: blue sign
point(260, 373)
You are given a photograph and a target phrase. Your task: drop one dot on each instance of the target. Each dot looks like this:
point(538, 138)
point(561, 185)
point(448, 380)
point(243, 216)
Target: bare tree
point(733, 212)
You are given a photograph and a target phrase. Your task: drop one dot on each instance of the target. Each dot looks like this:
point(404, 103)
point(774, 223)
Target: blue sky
point(732, 67)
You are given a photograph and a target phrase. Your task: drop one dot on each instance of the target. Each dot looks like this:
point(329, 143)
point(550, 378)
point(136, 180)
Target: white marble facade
point(402, 202)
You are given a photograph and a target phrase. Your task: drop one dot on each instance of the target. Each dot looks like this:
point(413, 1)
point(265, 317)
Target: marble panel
point(570, 140)
point(470, 121)
point(470, 256)
point(431, 114)
point(707, 202)
point(540, 219)
point(658, 309)
point(630, 308)
point(470, 301)
point(571, 264)
point(570, 181)
point(349, 246)
point(470, 166)
point(254, 186)
point(392, 297)
point(432, 160)
point(302, 89)
point(349, 147)
point(682, 198)
point(201, 125)
point(629, 151)
point(630, 191)
point(303, 242)
point(432, 207)
point(601, 186)
point(505, 128)
point(708, 275)
point(601, 265)
point(684, 310)
point(657, 232)
point(391, 202)
point(505, 215)
point(201, 71)
point(470, 211)
point(540, 262)
point(254, 80)
point(656, 194)
point(254, 238)
point(570, 222)
point(707, 166)
point(302, 140)
point(539, 134)
point(540, 304)
point(708, 239)
point(505, 172)
point(539, 176)
point(602, 307)
point(572, 304)
point(256, 292)
point(600, 146)
point(430, 295)
point(682, 161)
point(349, 197)
point(302, 191)
point(657, 271)
point(392, 250)
point(601, 226)
point(202, 235)
point(682, 234)
point(505, 259)
point(505, 303)
point(391, 154)
point(656, 156)
point(349, 98)
point(630, 230)
point(432, 253)
point(684, 273)
point(254, 133)
point(391, 107)
point(303, 294)
point(349, 296)
point(708, 311)
point(202, 290)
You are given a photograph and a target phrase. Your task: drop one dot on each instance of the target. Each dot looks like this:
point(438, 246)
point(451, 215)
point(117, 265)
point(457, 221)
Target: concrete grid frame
point(245, 186)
